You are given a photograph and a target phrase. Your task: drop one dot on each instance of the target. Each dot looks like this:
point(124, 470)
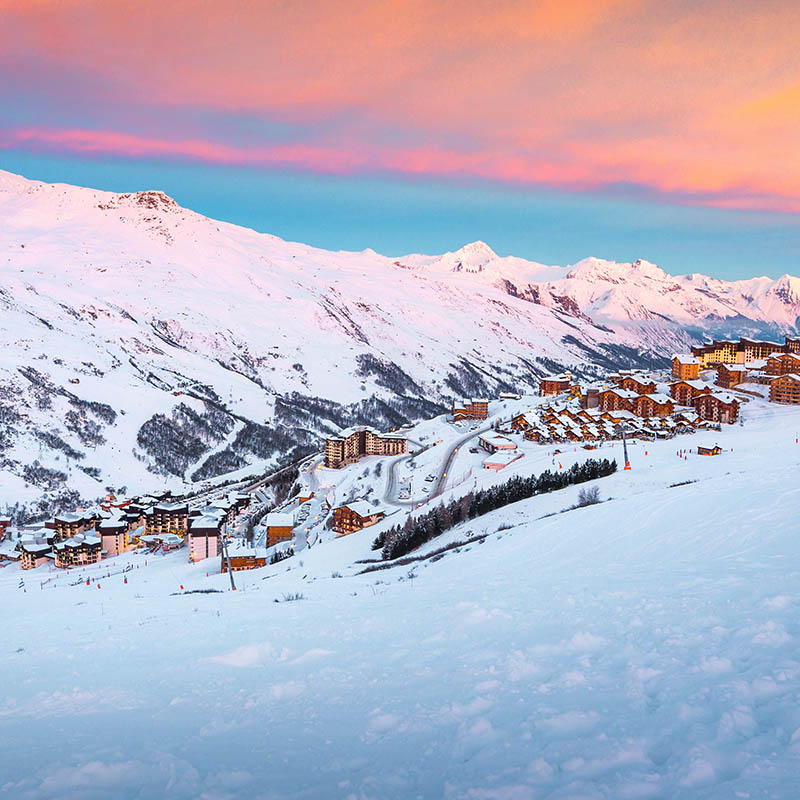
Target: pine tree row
point(400, 540)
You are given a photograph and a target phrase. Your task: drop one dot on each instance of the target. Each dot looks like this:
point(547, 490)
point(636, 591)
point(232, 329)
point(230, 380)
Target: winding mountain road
point(390, 493)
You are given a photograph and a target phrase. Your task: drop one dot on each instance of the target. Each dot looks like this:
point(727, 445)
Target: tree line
point(400, 540)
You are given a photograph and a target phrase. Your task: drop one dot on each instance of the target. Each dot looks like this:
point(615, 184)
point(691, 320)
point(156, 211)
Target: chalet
point(114, 536)
point(536, 435)
point(68, 525)
point(84, 548)
point(5, 524)
point(522, 422)
point(785, 389)
point(510, 396)
point(470, 409)
point(204, 537)
point(637, 384)
point(717, 407)
point(279, 527)
point(354, 516)
point(493, 442)
point(618, 415)
point(614, 399)
point(351, 444)
point(685, 368)
point(33, 553)
point(684, 391)
point(783, 364)
point(573, 433)
point(729, 375)
point(242, 555)
point(686, 415)
point(555, 384)
point(652, 405)
point(591, 433)
point(709, 451)
point(501, 460)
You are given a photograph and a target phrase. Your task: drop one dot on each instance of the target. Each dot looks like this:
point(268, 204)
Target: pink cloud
point(579, 171)
point(701, 104)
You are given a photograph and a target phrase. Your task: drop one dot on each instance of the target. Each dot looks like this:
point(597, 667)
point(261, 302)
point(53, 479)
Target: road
point(390, 494)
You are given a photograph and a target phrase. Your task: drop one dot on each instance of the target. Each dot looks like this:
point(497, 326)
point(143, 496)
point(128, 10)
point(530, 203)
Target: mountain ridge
point(146, 342)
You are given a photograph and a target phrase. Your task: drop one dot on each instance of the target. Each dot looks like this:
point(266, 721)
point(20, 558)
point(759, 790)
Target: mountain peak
point(472, 257)
point(476, 248)
point(598, 269)
point(787, 289)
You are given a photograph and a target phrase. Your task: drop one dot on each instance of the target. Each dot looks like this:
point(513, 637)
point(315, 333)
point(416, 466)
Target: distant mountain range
point(145, 343)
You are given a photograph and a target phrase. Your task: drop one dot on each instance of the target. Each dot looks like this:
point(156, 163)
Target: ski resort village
point(269, 589)
point(248, 524)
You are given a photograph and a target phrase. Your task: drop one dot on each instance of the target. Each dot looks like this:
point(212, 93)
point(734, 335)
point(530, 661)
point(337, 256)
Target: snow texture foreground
point(645, 647)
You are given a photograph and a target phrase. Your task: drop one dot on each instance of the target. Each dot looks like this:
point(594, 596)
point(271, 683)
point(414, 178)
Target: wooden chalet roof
point(362, 508)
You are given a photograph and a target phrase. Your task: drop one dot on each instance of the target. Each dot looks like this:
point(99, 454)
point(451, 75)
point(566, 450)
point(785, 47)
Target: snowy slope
point(645, 647)
point(145, 343)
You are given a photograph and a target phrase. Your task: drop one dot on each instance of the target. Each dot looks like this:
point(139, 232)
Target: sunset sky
point(557, 129)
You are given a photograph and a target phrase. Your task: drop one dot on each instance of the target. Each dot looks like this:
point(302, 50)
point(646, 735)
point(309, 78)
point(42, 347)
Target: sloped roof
point(362, 508)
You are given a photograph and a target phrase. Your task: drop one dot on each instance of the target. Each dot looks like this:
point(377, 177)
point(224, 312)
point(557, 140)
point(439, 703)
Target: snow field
point(643, 647)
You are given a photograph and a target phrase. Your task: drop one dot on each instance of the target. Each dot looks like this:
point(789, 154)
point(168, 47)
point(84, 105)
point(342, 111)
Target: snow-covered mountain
point(142, 339)
point(614, 293)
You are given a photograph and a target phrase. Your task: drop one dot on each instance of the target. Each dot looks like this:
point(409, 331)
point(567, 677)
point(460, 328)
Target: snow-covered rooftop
point(279, 519)
point(362, 508)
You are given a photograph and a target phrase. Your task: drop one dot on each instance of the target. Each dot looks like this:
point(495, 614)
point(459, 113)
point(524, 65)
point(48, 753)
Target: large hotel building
point(349, 445)
point(725, 351)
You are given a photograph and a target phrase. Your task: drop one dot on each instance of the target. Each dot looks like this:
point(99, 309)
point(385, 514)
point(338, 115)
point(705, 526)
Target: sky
point(552, 130)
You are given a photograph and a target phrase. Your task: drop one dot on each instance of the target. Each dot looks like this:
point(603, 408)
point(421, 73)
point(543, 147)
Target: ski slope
point(645, 647)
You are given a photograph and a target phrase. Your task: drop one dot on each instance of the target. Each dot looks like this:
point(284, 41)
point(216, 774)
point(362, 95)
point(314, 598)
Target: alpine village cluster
point(632, 403)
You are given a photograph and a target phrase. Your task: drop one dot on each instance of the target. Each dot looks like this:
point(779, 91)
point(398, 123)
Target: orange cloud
point(696, 99)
